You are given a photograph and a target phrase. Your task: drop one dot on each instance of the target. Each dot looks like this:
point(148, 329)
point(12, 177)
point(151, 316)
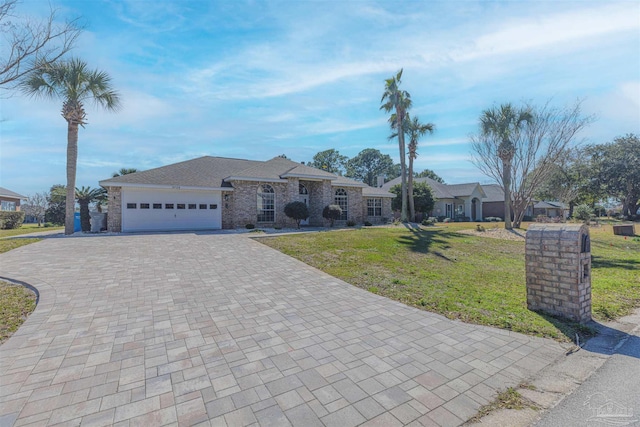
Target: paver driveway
point(221, 330)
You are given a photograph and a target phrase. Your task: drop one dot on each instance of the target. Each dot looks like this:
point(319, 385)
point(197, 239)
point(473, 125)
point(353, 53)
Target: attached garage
point(145, 209)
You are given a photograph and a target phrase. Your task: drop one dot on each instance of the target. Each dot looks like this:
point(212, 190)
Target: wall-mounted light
point(226, 197)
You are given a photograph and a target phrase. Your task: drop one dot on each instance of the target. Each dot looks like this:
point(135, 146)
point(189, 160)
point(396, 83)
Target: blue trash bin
point(76, 222)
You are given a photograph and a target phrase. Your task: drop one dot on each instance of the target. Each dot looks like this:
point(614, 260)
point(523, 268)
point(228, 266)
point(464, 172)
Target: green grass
point(26, 229)
point(7, 244)
point(473, 279)
point(16, 303)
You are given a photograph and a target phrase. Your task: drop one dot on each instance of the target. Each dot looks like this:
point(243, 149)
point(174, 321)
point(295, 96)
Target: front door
point(303, 197)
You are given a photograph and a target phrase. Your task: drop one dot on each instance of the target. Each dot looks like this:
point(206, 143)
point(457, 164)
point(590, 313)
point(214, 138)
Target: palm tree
point(504, 123)
point(73, 83)
point(124, 171)
point(85, 196)
point(415, 130)
point(399, 101)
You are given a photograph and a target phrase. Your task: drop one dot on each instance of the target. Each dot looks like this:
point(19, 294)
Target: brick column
point(558, 269)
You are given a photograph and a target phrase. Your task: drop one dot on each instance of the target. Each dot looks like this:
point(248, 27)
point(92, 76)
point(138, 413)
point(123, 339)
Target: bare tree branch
point(538, 147)
point(28, 45)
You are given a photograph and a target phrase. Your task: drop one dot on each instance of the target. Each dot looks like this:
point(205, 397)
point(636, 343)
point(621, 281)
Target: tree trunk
point(403, 166)
point(412, 207)
point(506, 184)
point(72, 158)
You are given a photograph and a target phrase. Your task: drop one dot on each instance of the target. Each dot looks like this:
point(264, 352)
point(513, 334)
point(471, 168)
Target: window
point(192, 205)
point(168, 205)
point(157, 206)
point(131, 205)
point(374, 207)
point(302, 189)
point(203, 206)
point(213, 206)
point(340, 199)
point(144, 205)
point(181, 205)
point(8, 206)
point(266, 203)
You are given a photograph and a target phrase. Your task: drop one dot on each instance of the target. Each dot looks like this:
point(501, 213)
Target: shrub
point(367, 224)
point(351, 223)
point(433, 219)
point(441, 218)
point(11, 219)
point(296, 211)
point(332, 213)
point(48, 224)
point(250, 226)
point(428, 222)
point(582, 212)
point(446, 220)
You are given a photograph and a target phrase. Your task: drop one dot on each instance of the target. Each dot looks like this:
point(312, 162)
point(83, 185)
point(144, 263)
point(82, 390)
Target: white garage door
point(161, 210)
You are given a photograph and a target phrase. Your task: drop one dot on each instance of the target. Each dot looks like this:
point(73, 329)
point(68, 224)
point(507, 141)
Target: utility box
point(558, 268)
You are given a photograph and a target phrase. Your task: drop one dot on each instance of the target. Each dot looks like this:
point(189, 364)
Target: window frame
point(342, 200)
point(266, 203)
point(374, 207)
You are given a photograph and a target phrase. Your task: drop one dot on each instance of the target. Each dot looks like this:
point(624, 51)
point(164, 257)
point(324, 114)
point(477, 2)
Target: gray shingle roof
point(440, 191)
point(278, 168)
point(8, 193)
point(376, 192)
point(216, 172)
point(494, 193)
point(204, 171)
point(347, 182)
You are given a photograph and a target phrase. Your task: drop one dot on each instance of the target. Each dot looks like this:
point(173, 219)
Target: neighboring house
point(452, 200)
point(10, 201)
point(493, 205)
point(551, 209)
point(217, 192)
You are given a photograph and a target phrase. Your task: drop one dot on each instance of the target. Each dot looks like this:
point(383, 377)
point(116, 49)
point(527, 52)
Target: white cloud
point(531, 34)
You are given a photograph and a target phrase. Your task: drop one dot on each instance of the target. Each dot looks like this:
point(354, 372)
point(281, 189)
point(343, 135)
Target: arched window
point(266, 203)
point(340, 199)
point(302, 189)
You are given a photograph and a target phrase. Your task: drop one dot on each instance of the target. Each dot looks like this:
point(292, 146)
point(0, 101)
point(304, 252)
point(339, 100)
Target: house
point(216, 192)
point(10, 201)
point(452, 200)
point(493, 205)
point(551, 209)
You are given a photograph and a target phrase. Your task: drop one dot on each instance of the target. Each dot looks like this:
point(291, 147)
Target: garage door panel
point(158, 210)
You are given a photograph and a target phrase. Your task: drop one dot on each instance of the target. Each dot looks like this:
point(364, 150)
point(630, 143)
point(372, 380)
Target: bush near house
point(11, 219)
point(296, 211)
point(332, 213)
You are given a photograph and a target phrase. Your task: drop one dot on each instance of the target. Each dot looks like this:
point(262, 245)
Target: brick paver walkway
point(210, 329)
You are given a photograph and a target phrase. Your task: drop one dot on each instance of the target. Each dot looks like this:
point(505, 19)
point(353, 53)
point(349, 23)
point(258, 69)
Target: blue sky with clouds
point(257, 79)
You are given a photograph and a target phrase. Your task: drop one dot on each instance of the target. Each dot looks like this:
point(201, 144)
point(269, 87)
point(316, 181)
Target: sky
point(257, 79)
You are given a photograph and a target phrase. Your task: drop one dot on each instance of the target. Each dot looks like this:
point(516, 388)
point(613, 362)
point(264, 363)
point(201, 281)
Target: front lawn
point(474, 279)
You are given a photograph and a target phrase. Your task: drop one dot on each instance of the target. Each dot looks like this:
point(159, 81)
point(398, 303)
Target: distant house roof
point(441, 191)
point(494, 193)
point(550, 205)
point(11, 194)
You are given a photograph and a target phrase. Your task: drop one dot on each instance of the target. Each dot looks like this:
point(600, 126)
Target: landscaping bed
point(16, 303)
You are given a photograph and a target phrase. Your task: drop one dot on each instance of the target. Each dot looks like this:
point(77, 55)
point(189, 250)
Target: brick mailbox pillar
point(558, 268)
